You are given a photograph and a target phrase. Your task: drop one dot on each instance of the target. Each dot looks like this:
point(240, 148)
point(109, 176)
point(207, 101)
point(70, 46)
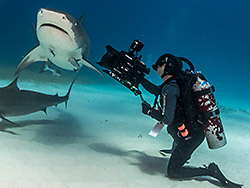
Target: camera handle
point(141, 97)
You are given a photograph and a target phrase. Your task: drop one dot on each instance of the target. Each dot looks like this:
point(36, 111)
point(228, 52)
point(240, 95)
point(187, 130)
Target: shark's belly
point(59, 47)
point(17, 103)
point(17, 110)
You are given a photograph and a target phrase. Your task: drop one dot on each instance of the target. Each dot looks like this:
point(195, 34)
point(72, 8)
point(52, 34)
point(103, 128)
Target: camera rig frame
point(125, 67)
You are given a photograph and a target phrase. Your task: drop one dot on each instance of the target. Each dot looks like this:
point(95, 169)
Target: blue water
point(214, 35)
point(103, 126)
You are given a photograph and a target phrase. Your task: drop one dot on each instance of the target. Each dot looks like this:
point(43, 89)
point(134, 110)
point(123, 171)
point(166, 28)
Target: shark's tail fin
point(68, 93)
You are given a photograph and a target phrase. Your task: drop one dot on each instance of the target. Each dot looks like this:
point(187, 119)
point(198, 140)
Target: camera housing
point(125, 67)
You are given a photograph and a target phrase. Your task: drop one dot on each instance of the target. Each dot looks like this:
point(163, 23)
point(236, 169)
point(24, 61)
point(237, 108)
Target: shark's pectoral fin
point(37, 54)
point(5, 119)
point(10, 132)
point(90, 65)
point(45, 110)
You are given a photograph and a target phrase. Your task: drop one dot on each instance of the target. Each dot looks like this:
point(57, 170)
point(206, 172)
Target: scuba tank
point(208, 111)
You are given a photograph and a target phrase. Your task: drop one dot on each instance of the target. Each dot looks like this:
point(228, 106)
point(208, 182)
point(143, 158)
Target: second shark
point(17, 102)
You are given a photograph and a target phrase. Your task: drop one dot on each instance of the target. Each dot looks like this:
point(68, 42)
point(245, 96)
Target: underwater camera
point(125, 67)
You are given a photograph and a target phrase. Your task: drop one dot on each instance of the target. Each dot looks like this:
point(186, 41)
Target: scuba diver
point(187, 133)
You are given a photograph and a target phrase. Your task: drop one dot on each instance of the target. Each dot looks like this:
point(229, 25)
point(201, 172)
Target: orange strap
point(184, 132)
point(182, 127)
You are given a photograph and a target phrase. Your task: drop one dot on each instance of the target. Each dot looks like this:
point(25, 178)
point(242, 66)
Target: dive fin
point(217, 174)
point(165, 152)
point(37, 54)
point(5, 119)
point(230, 184)
point(90, 65)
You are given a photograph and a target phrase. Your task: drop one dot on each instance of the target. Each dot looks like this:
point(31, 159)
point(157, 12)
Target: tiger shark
point(62, 41)
point(18, 102)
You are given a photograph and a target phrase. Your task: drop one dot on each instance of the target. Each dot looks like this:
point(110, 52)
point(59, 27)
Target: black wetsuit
point(186, 145)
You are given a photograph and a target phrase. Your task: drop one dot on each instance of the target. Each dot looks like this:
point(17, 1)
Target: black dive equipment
point(125, 67)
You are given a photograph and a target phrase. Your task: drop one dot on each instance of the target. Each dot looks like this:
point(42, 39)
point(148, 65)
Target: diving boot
point(215, 172)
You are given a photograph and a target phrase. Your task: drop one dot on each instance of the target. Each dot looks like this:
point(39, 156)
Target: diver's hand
point(156, 114)
point(146, 108)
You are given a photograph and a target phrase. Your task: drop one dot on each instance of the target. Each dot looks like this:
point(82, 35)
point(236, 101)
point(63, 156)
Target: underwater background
point(103, 127)
point(214, 35)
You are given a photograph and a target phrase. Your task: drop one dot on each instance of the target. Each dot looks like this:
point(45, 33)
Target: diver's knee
point(172, 173)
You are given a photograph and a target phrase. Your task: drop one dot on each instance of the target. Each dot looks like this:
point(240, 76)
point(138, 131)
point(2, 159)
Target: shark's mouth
point(54, 26)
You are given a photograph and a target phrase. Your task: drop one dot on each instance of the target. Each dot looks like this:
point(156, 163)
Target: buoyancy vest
point(186, 111)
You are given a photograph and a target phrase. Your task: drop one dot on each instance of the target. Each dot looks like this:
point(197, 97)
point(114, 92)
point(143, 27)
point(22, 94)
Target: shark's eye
point(63, 18)
point(41, 12)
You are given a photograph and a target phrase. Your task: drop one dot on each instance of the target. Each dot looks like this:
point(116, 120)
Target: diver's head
point(168, 64)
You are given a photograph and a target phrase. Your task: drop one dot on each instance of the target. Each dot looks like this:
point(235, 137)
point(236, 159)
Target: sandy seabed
point(102, 141)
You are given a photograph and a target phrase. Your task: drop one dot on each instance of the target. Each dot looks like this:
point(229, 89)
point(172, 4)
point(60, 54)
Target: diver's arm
point(149, 86)
point(170, 94)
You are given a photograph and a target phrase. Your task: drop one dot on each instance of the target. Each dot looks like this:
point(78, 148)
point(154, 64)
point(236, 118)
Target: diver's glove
point(156, 114)
point(148, 110)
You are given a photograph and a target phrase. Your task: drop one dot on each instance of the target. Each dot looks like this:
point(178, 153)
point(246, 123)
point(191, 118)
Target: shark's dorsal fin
point(81, 19)
point(13, 84)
